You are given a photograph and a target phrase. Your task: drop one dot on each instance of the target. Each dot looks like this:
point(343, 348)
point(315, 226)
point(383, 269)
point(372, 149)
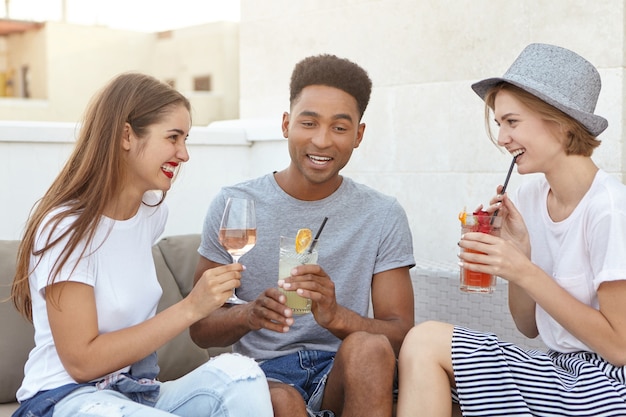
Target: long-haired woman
point(86, 278)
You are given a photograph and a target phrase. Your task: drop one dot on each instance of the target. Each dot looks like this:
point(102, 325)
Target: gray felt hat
point(557, 76)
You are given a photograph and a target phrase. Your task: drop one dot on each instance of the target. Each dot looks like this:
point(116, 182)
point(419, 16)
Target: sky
point(139, 15)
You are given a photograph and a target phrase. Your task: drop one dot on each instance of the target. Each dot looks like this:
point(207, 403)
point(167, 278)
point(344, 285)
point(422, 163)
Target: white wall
point(425, 141)
point(224, 153)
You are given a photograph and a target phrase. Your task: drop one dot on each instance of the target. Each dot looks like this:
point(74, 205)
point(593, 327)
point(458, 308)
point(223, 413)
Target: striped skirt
point(495, 378)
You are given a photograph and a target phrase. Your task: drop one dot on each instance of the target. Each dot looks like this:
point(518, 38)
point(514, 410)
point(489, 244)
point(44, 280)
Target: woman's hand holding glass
point(214, 288)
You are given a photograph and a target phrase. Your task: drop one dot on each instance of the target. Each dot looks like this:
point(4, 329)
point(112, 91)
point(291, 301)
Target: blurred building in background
point(50, 69)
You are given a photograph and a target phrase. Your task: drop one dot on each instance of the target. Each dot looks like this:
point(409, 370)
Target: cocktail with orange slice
point(293, 252)
point(484, 222)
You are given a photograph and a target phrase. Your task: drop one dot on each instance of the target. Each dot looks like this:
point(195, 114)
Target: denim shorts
point(305, 370)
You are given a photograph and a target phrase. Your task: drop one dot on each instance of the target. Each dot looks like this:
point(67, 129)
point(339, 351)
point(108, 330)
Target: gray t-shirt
point(366, 233)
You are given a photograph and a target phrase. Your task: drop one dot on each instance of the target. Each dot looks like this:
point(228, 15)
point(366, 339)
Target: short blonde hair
point(579, 140)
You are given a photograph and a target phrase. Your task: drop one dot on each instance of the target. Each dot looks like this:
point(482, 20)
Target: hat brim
point(593, 123)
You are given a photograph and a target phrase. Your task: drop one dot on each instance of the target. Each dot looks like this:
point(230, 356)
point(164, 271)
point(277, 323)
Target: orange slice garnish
point(463, 216)
point(303, 239)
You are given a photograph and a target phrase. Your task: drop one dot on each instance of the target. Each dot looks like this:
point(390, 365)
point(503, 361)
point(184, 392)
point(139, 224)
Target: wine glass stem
point(235, 260)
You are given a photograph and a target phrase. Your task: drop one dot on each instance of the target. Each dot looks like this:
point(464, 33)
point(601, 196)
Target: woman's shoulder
point(610, 182)
point(55, 223)
point(608, 191)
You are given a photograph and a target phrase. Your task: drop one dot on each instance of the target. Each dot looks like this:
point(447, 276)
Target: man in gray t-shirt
point(337, 358)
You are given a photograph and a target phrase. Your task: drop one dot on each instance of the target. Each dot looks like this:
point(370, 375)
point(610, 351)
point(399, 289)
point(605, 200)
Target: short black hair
point(332, 71)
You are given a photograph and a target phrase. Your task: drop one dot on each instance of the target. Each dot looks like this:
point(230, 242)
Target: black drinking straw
point(317, 236)
point(506, 182)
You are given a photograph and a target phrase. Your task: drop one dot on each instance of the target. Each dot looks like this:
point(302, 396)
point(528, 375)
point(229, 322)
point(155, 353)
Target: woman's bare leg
point(425, 371)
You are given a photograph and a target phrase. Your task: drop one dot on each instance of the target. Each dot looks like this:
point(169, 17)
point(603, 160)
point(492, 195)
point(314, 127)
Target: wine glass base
point(235, 300)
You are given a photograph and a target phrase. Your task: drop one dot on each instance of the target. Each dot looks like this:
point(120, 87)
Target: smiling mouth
point(168, 170)
point(517, 152)
point(319, 160)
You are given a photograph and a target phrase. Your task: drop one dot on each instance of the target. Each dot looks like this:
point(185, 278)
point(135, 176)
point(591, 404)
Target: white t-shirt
point(580, 252)
point(120, 268)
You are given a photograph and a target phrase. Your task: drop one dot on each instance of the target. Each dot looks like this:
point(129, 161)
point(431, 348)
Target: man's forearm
point(223, 327)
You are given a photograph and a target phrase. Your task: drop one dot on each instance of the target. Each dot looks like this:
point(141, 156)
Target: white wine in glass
point(238, 232)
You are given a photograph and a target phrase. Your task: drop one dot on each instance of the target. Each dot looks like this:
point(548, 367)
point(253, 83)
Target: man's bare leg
point(360, 382)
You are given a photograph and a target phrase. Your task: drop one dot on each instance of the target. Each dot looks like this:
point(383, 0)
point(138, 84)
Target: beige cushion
point(6, 410)
point(181, 256)
point(181, 355)
point(16, 338)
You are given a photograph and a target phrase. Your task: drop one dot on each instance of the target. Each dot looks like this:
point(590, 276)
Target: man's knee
point(366, 352)
point(284, 392)
point(368, 344)
point(285, 399)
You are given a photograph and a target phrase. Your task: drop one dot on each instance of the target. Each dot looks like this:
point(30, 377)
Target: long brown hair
point(94, 173)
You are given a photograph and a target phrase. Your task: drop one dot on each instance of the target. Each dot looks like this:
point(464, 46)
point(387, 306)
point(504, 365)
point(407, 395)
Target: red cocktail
point(479, 221)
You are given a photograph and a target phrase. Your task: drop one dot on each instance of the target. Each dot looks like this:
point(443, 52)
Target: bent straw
point(317, 236)
point(506, 182)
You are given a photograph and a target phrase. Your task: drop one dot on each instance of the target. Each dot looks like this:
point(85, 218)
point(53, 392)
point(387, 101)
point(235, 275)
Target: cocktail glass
point(289, 259)
point(472, 281)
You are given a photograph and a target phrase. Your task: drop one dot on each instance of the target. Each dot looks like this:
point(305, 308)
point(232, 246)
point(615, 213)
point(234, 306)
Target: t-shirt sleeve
point(396, 245)
point(607, 246)
point(79, 267)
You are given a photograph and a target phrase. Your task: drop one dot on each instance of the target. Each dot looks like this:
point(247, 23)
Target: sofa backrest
point(16, 333)
point(180, 254)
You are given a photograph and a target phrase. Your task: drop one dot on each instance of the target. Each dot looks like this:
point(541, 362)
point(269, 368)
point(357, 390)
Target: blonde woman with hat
point(562, 250)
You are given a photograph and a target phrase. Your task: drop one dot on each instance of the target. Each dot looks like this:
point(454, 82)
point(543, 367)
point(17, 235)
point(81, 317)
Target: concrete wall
point(224, 153)
point(425, 141)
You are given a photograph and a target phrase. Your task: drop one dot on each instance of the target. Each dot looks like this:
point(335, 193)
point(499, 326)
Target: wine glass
point(238, 232)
